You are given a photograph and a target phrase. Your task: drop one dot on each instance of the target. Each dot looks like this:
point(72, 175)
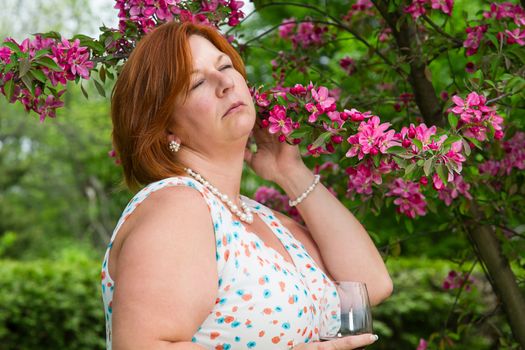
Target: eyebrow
point(220, 57)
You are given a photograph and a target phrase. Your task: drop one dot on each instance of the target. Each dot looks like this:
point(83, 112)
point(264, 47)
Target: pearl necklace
point(245, 215)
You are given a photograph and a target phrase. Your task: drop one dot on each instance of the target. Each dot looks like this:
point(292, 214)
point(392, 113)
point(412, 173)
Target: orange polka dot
point(261, 334)
point(275, 340)
point(218, 314)
point(219, 347)
point(214, 335)
point(229, 319)
point(267, 310)
point(282, 285)
point(246, 297)
point(291, 300)
point(261, 280)
point(275, 321)
point(234, 309)
point(226, 255)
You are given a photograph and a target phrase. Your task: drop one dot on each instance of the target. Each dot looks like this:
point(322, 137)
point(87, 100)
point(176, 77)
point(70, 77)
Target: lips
point(234, 107)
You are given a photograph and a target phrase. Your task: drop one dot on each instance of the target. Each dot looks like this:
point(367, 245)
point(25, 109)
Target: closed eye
point(200, 82)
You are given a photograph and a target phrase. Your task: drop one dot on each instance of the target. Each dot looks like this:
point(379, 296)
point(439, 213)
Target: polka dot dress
point(263, 301)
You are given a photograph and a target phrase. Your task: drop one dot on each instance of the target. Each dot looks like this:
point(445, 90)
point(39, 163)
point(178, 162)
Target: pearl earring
point(174, 146)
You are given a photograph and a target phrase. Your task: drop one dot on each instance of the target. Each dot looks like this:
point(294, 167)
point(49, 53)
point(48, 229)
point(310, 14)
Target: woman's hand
point(273, 159)
point(345, 343)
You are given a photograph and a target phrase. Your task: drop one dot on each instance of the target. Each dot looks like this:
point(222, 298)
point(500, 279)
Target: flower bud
point(337, 139)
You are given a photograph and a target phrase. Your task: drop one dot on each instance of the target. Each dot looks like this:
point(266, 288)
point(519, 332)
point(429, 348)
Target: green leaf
point(466, 147)
point(418, 144)
point(39, 75)
point(102, 74)
point(49, 63)
point(84, 92)
point(321, 139)
point(100, 88)
point(9, 88)
point(14, 47)
point(475, 142)
point(409, 169)
point(23, 67)
point(376, 159)
point(453, 120)
point(451, 139)
point(51, 35)
point(299, 133)
point(409, 225)
point(440, 169)
point(40, 53)
point(427, 166)
point(396, 150)
point(28, 82)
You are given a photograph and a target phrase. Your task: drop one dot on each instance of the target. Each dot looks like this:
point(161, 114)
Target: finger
point(351, 342)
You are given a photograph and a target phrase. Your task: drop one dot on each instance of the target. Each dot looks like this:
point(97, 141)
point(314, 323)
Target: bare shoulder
point(302, 234)
point(167, 277)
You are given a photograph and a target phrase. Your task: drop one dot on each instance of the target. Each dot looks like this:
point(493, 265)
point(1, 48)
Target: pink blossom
point(372, 138)
point(505, 10)
point(443, 5)
point(470, 67)
point(365, 174)
point(476, 117)
point(452, 190)
point(490, 167)
point(357, 116)
point(324, 103)
point(348, 65)
point(456, 280)
point(385, 33)
point(514, 153)
point(5, 55)
point(286, 28)
point(474, 36)
point(422, 344)
point(279, 121)
point(409, 200)
point(416, 8)
point(516, 36)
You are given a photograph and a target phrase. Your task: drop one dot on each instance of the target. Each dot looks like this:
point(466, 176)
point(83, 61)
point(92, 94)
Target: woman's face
point(206, 121)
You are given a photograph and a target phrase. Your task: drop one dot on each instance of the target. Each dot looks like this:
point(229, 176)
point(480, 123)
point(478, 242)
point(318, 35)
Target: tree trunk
point(501, 276)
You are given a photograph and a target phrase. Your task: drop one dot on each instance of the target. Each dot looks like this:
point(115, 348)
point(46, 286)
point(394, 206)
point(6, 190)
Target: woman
point(195, 265)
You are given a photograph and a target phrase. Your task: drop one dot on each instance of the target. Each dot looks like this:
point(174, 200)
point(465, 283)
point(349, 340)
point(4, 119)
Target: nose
point(225, 83)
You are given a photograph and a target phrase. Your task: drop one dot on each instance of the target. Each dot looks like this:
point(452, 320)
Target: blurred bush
point(57, 304)
point(48, 304)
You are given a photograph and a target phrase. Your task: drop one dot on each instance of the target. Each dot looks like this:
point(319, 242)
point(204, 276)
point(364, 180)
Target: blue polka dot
point(286, 325)
point(267, 293)
point(251, 344)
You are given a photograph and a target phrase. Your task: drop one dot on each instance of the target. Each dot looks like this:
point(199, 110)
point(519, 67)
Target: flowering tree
point(409, 110)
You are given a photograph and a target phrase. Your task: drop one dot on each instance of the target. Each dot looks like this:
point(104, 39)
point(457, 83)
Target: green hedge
point(51, 305)
point(57, 305)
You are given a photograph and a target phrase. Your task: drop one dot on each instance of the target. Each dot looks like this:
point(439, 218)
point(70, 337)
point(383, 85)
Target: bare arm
point(166, 281)
point(344, 245)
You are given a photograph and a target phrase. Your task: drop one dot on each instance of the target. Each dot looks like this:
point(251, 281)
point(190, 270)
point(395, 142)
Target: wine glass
point(354, 316)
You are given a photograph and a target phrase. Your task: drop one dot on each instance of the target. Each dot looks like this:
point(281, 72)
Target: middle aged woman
point(195, 265)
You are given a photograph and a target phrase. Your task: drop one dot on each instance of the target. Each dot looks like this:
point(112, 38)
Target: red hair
point(154, 77)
